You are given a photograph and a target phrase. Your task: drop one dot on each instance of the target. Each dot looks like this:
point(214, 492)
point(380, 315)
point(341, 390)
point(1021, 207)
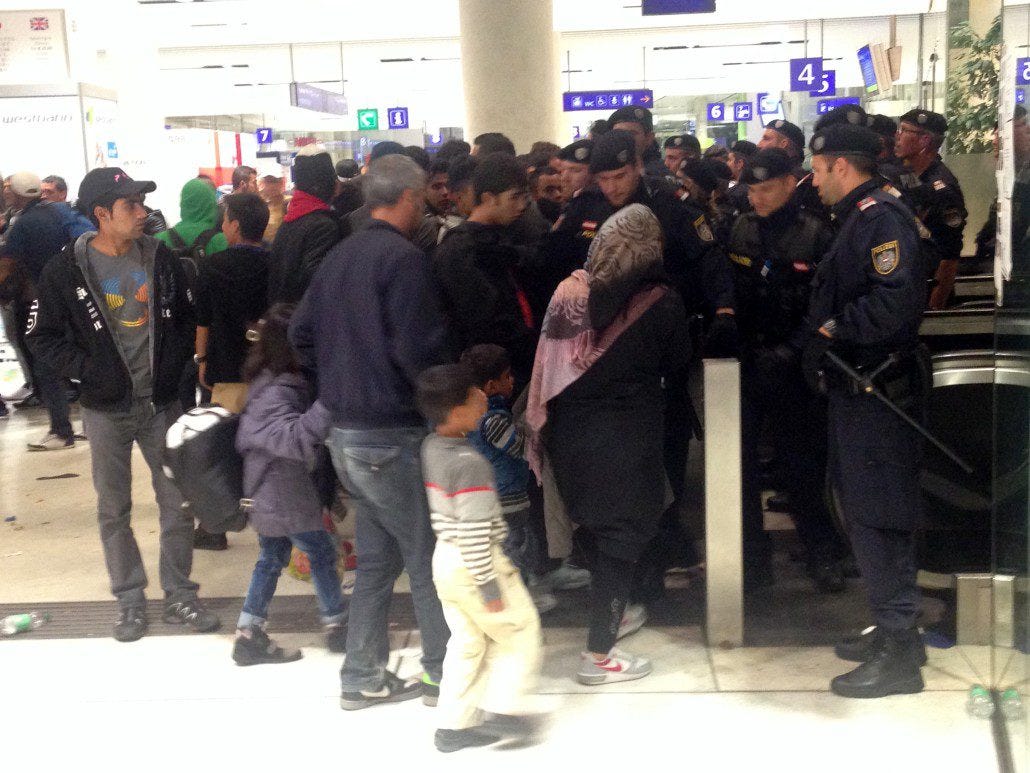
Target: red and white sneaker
point(619, 666)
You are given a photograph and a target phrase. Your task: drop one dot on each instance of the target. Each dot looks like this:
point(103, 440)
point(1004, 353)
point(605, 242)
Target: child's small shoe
point(466, 738)
point(253, 647)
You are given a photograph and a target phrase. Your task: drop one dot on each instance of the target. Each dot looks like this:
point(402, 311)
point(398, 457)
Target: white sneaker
point(619, 666)
point(633, 620)
point(52, 442)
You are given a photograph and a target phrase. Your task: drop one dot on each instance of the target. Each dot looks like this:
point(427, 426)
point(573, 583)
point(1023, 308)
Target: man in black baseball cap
point(774, 251)
point(867, 309)
point(935, 192)
point(639, 122)
point(114, 311)
point(680, 148)
point(102, 187)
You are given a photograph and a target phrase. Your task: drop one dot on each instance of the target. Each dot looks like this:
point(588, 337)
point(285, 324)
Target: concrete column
point(509, 65)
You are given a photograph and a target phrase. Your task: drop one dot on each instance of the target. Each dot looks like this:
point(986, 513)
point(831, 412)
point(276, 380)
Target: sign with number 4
point(806, 74)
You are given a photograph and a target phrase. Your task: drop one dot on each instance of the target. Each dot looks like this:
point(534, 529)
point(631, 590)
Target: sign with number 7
point(806, 74)
point(1023, 71)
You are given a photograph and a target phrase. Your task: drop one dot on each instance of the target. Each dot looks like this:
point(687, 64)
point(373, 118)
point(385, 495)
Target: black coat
point(298, 250)
point(474, 268)
point(605, 432)
point(68, 330)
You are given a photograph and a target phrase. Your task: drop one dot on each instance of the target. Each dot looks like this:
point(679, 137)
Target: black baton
point(870, 388)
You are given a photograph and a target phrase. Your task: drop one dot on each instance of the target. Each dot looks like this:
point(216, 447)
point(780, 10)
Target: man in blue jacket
point(369, 324)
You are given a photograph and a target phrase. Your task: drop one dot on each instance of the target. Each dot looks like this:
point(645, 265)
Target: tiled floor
point(178, 703)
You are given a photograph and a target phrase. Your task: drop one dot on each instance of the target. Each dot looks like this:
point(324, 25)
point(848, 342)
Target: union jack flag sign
point(39, 23)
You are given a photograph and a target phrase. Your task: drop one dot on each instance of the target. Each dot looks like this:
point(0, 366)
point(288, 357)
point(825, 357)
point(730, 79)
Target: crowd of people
point(490, 354)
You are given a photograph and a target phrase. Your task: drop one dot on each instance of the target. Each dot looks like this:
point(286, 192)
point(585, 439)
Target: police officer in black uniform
point(774, 251)
point(678, 149)
point(866, 308)
point(935, 192)
point(639, 122)
point(791, 139)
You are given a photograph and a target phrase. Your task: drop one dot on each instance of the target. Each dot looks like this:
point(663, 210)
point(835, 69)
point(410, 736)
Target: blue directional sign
point(806, 74)
point(661, 7)
point(397, 117)
point(1020, 97)
point(823, 106)
point(743, 111)
point(112, 150)
point(264, 135)
point(1023, 71)
point(606, 100)
point(827, 87)
point(767, 104)
point(716, 112)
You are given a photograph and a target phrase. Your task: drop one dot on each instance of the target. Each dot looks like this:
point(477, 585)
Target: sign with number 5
point(1023, 71)
point(828, 86)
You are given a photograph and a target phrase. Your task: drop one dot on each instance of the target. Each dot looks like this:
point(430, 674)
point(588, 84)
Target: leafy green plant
point(973, 88)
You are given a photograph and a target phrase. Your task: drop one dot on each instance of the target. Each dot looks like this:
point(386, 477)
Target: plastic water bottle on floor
point(980, 703)
point(29, 621)
point(1012, 705)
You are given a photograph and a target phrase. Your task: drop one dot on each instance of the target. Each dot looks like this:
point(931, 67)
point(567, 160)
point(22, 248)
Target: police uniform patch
point(622, 157)
point(760, 173)
point(865, 203)
point(704, 231)
point(886, 257)
point(939, 185)
point(590, 225)
point(741, 260)
point(581, 154)
point(818, 143)
point(953, 218)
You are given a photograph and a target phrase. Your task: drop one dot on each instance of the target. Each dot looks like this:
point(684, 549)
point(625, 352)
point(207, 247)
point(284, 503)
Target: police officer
point(678, 149)
point(935, 192)
point(574, 168)
point(791, 139)
point(740, 152)
point(639, 122)
point(774, 251)
point(866, 307)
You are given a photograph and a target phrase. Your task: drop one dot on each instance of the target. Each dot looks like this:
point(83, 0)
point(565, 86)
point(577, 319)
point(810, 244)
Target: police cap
point(853, 114)
point(935, 123)
point(767, 165)
point(790, 131)
point(846, 139)
point(578, 152)
point(744, 148)
point(684, 142)
point(613, 150)
point(883, 125)
point(701, 172)
point(638, 115)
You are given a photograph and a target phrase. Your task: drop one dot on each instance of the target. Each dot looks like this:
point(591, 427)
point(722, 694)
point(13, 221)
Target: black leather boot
point(893, 670)
point(865, 646)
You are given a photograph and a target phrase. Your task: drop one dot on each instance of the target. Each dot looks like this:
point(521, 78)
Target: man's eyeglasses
point(906, 130)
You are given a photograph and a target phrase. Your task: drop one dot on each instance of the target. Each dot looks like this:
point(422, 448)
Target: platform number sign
point(1023, 71)
point(716, 112)
point(806, 74)
point(264, 136)
point(827, 85)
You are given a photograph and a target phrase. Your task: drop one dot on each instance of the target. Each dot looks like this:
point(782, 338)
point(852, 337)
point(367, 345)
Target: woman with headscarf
point(611, 335)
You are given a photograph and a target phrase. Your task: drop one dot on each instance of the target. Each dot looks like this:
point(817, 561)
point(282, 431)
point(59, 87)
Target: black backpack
point(191, 255)
point(200, 456)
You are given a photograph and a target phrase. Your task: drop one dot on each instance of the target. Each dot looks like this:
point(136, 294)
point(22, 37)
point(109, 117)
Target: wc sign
point(398, 117)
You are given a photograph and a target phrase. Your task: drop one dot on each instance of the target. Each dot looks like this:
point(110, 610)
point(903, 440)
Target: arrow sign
point(398, 117)
point(606, 100)
point(368, 119)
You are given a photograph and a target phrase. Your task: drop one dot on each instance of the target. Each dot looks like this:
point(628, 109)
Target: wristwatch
point(199, 358)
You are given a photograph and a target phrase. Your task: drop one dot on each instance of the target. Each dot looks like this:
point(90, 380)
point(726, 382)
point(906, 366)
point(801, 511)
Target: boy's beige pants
point(493, 658)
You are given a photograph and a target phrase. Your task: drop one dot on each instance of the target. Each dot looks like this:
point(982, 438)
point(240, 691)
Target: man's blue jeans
point(382, 470)
point(275, 556)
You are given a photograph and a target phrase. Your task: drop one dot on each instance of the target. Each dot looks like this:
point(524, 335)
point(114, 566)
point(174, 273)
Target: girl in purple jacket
point(279, 436)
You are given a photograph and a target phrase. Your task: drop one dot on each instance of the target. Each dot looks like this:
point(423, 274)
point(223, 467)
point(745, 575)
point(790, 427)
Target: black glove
point(813, 362)
point(723, 339)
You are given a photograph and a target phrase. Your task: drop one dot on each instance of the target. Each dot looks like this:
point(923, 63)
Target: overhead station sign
point(310, 97)
point(663, 7)
point(607, 100)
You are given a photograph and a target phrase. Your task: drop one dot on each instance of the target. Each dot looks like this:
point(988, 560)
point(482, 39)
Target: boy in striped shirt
point(494, 651)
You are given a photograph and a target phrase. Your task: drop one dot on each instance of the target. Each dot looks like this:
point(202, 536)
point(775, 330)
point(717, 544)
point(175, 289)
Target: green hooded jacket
point(198, 207)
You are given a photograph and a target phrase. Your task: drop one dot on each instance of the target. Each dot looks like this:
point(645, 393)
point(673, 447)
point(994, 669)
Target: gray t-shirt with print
point(125, 285)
